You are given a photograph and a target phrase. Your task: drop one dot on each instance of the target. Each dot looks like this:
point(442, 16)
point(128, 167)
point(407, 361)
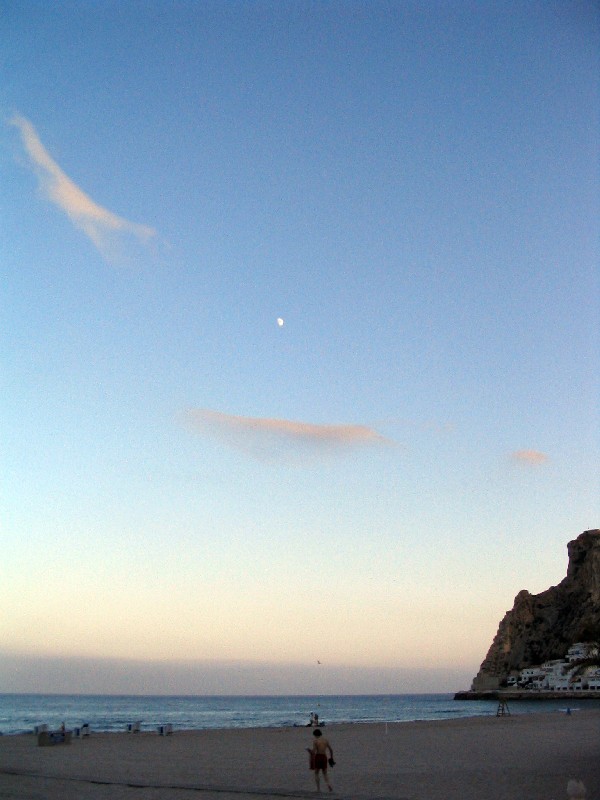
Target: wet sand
point(520, 757)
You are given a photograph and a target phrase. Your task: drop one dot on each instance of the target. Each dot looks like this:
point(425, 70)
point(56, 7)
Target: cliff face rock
point(540, 627)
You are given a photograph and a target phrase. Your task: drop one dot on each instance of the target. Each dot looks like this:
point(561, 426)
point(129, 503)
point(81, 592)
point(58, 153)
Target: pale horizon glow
point(196, 500)
point(113, 676)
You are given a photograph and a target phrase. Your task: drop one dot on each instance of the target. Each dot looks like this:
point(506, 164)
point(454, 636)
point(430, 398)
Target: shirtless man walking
point(319, 750)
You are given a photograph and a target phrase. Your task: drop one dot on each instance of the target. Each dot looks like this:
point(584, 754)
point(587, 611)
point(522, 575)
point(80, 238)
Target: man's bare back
point(320, 745)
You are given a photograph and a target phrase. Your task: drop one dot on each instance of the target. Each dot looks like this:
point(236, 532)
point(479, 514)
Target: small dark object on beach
point(331, 762)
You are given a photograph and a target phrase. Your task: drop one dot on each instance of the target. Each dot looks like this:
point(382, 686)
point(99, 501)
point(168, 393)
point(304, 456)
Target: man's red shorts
point(321, 761)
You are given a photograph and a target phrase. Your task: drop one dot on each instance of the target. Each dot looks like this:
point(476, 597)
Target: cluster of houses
point(563, 675)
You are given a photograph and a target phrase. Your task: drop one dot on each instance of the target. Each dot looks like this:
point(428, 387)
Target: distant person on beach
point(319, 758)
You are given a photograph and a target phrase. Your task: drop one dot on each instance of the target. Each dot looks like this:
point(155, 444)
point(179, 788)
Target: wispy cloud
point(531, 458)
point(108, 232)
point(275, 438)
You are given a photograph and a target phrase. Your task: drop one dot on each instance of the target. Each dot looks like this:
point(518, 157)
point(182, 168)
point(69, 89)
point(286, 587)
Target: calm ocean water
point(19, 713)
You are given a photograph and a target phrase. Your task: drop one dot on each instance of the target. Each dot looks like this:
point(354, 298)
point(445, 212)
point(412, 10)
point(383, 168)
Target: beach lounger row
point(49, 738)
point(84, 730)
point(163, 730)
point(46, 737)
point(134, 727)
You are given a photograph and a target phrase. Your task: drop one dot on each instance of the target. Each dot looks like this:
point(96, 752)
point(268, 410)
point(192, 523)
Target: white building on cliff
point(562, 675)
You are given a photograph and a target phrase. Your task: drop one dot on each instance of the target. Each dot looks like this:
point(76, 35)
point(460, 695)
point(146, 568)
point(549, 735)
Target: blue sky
point(412, 190)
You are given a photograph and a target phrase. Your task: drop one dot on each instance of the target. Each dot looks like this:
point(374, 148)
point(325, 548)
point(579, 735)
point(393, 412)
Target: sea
point(21, 713)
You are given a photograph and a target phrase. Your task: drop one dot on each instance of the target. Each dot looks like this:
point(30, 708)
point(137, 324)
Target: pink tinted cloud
point(529, 457)
point(268, 438)
point(106, 230)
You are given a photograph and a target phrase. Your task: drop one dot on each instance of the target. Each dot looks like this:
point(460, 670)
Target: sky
point(300, 342)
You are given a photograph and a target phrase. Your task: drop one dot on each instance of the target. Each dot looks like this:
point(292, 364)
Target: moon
point(280, 322)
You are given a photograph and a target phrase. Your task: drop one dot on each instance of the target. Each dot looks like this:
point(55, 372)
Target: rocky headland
point(541, 627)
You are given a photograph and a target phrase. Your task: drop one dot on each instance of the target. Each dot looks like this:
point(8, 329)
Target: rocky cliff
point(540, 627)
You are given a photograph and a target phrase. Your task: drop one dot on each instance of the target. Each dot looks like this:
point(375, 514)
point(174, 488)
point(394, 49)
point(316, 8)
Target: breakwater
point(515, 696)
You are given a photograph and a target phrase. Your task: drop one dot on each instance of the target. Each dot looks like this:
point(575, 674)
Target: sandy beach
point(520, 757)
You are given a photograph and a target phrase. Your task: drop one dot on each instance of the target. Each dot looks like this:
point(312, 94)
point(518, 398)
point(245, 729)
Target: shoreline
point(20, 714)
point(530, 755)
point(327, 728)
point(516, 696)
point(491, 696)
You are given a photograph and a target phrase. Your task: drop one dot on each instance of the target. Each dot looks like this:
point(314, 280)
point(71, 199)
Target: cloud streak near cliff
point(108, 232)
point(275, 438)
